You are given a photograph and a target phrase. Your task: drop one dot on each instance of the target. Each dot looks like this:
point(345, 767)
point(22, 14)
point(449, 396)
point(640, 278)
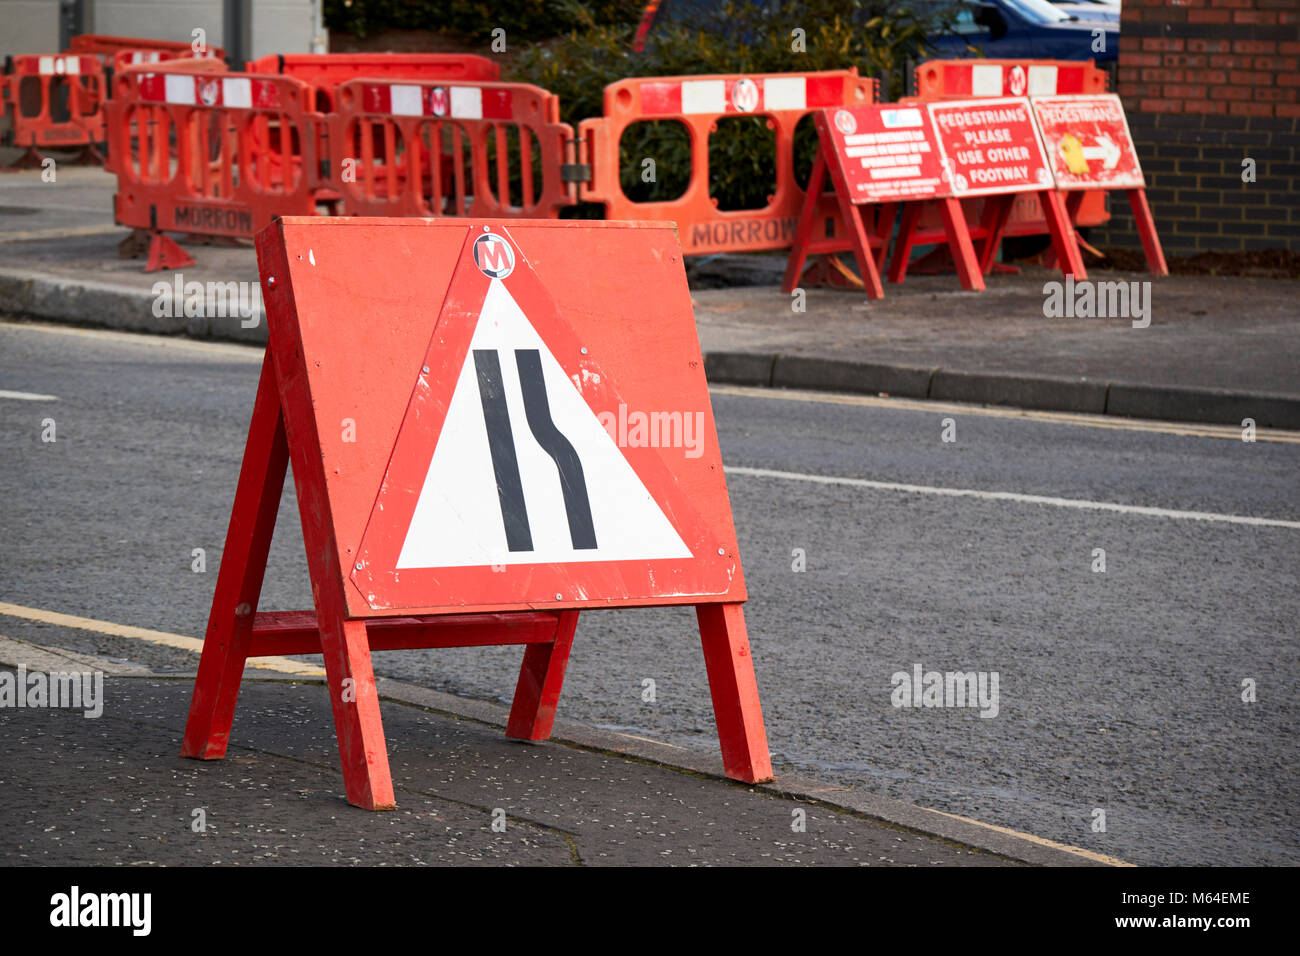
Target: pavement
point(466, 795)
point(1216, 350)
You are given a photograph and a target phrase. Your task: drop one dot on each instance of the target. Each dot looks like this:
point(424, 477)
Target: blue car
point(1033, 29)
point(1005, 29)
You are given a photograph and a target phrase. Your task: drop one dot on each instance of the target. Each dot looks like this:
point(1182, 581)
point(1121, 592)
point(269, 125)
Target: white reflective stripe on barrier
point(1042, 80)
point(237, 91)
point(740, 94)
point(60, 65)
point(208, 89)
point(455, 102)
point(986, 81)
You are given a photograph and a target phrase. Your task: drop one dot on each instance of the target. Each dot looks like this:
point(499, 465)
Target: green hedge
point(876, 37)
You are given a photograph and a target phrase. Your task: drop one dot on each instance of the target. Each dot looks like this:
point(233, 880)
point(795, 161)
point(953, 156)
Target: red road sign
point(990, 146)
point(505, 487)
point(887, 153)
point(491, 426)
point(1088, 140)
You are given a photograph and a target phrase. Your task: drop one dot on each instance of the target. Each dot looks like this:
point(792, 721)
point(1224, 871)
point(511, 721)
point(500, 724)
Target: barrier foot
point(736, 707)
point(31, 159)
point(135, 244)
point(88, 155)
point(166, 253)
point(540, 679)
point(239, 581)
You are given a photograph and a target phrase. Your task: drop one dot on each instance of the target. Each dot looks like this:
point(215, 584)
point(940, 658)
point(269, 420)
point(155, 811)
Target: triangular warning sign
point(524, 472)
point(507, 483)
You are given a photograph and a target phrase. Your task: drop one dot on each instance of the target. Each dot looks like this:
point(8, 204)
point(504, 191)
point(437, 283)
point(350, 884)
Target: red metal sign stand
point(331, 285)
point(1091, 149)
point(856, 193)
point(993, 139)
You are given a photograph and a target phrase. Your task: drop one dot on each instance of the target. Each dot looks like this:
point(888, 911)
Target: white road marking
point(1077, 503)
point(27, 396)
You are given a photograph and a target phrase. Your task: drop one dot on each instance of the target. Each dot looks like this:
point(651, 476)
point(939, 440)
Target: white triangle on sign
point(458, 517)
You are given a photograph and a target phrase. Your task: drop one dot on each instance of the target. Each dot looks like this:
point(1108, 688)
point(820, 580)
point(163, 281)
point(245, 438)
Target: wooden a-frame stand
point(237, 631)
point(869, 244)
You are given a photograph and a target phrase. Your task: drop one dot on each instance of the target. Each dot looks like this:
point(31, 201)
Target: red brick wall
point(1207, 84)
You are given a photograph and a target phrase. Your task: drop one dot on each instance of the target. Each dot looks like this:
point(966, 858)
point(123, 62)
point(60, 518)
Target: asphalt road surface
point(1120, 693)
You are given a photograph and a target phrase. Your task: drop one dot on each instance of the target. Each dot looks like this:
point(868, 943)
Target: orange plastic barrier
point(698, 103)
point(55, 102)
point(326, 71)
point(201, 151)
point(968, 79)
point(463, 149)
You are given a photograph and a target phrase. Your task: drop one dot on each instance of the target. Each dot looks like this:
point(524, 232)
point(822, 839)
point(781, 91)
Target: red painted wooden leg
point(803, 231)
point(736, 707)
point(862, 252)
point(1146, 227)
point(540, 679)
point(997, 211)
point(884, 227)
point(1062, 232)
point(903, 244)
point(351, 681)
point(239, 581)
point(963, 252)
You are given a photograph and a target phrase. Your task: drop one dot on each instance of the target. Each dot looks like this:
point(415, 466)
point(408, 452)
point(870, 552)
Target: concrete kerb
point(86, 302)
point(1046, 393)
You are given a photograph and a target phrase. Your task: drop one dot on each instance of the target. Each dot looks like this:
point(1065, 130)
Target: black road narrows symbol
point(501, 443)
point(505, 463)
point(582, 531)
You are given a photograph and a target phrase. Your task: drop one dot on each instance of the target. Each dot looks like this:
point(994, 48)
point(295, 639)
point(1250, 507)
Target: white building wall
point(29, 26)
point(278, 26)
point(157, 19)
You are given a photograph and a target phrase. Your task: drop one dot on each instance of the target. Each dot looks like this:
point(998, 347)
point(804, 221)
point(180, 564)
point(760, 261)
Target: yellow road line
point(1058, 418)
point(180, 641)
point(1042, 841)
